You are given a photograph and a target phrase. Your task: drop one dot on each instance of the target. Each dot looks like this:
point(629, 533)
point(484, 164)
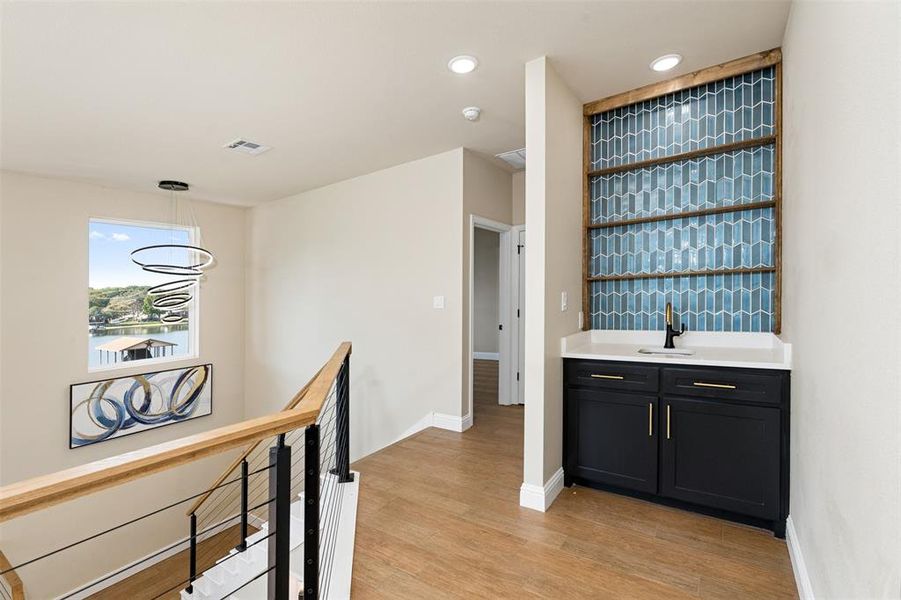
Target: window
point(124, 326)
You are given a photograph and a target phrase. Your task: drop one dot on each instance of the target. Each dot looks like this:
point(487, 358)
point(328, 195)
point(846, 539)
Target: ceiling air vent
point(514, 158)
point(247, 147)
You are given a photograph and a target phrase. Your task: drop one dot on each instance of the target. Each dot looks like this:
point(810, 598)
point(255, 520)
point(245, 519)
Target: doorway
point(494, 335)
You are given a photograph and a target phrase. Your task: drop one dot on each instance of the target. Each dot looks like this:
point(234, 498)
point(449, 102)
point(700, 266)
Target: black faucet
point(670, 332)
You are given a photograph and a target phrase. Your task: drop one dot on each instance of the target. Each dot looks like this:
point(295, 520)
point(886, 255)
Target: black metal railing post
point(311, 514)
point(279, 520)
point(342, 424)
point(242, 545)
point(192, 556)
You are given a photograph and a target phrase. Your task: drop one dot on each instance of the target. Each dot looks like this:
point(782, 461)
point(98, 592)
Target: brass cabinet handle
point(596, 376)
point(667, 422)
point(650, 419)
point(722, 386)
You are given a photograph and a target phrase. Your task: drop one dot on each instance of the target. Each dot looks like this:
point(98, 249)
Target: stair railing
point(313, 427)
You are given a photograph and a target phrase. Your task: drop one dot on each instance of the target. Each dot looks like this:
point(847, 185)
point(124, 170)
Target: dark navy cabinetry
point(710, 439)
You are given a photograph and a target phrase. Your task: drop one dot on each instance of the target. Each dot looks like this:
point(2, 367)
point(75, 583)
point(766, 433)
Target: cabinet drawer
point(764, 387)
point(623, 377)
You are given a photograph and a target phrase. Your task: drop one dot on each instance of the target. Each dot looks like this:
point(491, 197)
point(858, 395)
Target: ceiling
point(125, 94)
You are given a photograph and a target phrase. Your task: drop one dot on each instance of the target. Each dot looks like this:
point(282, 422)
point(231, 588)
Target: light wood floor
point(439, 517)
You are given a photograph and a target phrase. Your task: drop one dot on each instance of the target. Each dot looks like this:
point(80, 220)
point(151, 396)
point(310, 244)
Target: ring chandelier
point(173, 297)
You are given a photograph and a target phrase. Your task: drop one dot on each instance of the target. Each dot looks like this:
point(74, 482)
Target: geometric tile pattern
point(709, 303)
point(737, 177)
point(721, 112)
point(723, 241)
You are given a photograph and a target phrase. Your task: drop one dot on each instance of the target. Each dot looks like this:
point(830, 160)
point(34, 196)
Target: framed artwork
point(113, 408)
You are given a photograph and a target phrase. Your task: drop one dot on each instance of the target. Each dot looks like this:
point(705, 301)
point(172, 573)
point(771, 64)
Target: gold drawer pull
point(606, 376)
point(722, 386)
point(667, 422)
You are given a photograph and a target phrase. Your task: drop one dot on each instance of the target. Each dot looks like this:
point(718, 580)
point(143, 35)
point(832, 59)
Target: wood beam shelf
point(664, 160)
point(633, 276)
point(684, 215)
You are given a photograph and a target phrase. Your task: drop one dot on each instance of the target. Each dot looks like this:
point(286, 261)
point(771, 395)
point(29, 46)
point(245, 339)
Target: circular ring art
point(117, 407)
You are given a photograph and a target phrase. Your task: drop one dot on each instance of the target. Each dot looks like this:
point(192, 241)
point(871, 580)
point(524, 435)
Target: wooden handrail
point(27, 496)
point(237, 462)
point(12, 578)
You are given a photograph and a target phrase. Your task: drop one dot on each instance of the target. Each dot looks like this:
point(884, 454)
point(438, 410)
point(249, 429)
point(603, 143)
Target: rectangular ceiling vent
point(247, 147)
point(514, 158)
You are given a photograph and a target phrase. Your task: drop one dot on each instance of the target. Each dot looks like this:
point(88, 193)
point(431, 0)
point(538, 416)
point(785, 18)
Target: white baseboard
point(439, 420)
point(799, 567)
point(486, 355)
point(540, 498)
point(452, 422)
point(418, 426)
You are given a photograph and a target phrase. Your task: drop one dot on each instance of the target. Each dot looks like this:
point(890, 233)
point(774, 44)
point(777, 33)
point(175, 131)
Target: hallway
point(439, 518)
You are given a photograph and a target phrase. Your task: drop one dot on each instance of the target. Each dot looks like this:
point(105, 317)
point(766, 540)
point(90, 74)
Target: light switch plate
point(563, 301)
point(438, 302)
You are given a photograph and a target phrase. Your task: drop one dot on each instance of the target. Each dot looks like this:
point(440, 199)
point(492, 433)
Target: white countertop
point(712, 349)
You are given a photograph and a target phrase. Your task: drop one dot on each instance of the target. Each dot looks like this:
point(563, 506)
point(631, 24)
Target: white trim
point(193, 310)
point(799, 567)
point(439, 420)
point(452, 422)
point(486, 355)
point(517, 386)
point(343, 561)
point(423, 423)
point(504, 340)
point(541, 498)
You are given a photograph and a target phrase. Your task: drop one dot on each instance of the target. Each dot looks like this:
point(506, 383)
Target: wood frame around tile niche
point(740, 66)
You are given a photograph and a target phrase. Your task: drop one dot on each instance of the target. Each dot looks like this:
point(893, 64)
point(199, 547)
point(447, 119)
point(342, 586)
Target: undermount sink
point(667, 351)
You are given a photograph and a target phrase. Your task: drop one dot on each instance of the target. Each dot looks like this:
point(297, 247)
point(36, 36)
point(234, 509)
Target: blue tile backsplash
point(731, 110)
point(710, 303)
point(738, 177)
point(724, 241)
point(723, 112)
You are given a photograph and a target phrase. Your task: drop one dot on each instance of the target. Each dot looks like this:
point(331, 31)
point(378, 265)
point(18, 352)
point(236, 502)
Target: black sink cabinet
point(709, 439)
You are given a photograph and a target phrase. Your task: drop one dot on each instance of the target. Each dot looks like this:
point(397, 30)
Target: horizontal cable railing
point(300, 452)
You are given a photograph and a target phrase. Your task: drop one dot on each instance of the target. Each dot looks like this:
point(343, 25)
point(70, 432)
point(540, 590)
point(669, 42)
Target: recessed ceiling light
point(463, 64)
point(666, 62)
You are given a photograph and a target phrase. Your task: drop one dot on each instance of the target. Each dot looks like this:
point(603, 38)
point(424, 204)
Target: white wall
point(44, 300)
point(486, 253)
point(553, 259)
point(518, 180)
point(361, 260)
point(841, 292)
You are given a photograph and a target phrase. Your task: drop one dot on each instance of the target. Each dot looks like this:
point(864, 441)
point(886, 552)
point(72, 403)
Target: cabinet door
point(721, 455)
point(611, 438)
